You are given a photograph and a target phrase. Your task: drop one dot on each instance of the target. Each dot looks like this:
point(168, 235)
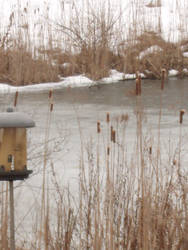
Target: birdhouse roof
point(15, 120)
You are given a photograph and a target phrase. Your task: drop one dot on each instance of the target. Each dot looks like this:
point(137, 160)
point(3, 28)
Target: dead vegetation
point(91, 44)
point(18, 67)
point(150, 53)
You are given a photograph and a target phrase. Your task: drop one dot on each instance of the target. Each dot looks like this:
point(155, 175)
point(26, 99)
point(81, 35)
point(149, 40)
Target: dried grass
point(92, 43)
point(137, 202)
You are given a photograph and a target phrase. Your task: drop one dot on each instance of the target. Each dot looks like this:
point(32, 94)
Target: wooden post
point(163, 71)
point(138, 85)
point(12, 230)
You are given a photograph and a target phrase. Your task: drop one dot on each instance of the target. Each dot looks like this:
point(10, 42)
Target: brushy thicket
point(168, 55)
point(91, 46)
point(18, 67)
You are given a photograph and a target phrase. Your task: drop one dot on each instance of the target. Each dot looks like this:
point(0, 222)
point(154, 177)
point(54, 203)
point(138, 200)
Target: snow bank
point(185, 54)
point(77, 81)
point(173, 72)
point(116, 76)
point(72, 81)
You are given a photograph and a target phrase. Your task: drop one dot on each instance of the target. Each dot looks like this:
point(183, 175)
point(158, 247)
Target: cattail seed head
point(51, 107)
point(107, 117)
point(98, 128)
point(182, 112)
point(150, 150)
point(50, 93)
point(111, 133)
point(114, 136)
point(108, 150)
point(174, 162)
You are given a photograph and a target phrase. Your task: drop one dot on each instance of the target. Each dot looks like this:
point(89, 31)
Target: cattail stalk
point(16, 99)
point(138, 86)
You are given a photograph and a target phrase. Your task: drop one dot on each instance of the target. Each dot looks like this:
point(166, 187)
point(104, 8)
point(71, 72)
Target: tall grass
point(92, 40)
point(124, 200)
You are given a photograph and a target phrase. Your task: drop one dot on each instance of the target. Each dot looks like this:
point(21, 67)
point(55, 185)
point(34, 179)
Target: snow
point(69, 82)
point(185, 70)
point(116, 76)
point(5, 88)
point(150, 50)
point(173, 72)
point(65, 65)
point(185, 54)
point(77, 81)
point(72, 81)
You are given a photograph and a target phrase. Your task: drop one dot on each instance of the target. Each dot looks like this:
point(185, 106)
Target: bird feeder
point(13, 145)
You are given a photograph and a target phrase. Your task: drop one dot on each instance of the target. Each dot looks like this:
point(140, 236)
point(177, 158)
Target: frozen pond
point(77, 110)
point(74, 118)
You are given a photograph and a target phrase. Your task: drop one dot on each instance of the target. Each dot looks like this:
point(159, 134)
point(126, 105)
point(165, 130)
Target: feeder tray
point(14, 175)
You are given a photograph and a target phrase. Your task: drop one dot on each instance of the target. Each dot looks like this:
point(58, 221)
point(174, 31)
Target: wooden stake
point(138, 85)
point(163, 78)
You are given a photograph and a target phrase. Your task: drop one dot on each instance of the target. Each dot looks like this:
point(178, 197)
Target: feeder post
point(12, 225)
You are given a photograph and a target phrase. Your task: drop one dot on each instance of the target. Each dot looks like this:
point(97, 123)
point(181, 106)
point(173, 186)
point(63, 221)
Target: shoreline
point(82, 81)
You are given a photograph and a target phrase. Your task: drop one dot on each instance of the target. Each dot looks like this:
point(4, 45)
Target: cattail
point(108, 150)
point(107, 117)
point(182, 112)
point(114, 136)
point(98, 128)
point(51, 107)
point(163, 71)
point(50, 94)
point(124, 117)
point(111, 133)
point(150, 150)
point(16, 99)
